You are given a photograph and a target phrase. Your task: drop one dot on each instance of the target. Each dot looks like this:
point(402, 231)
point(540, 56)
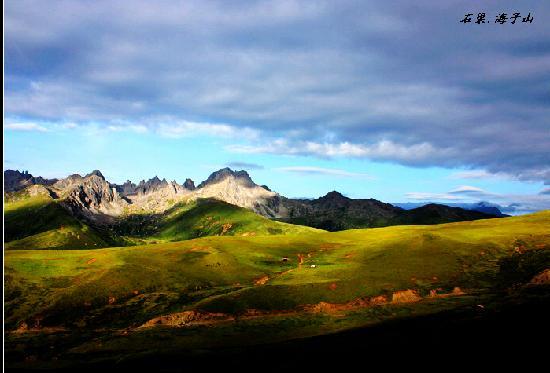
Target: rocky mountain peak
point(90, 196)
point(96, 173)
point(225, 173)
point(334, 196)
point(189, 184)
point(150, 185)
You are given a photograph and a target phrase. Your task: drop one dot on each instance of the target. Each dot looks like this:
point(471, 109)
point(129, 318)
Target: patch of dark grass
point(520, 268)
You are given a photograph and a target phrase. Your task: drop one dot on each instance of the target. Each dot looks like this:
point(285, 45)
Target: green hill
point(38, 222)
point(211, 217)
point(199, 218)
point(278, 287)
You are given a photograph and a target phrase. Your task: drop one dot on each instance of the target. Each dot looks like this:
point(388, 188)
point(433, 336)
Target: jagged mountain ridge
point(15, 180)
point(95, 199)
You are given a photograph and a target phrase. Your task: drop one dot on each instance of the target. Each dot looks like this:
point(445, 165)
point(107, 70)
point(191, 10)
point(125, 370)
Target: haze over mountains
point(94, 199)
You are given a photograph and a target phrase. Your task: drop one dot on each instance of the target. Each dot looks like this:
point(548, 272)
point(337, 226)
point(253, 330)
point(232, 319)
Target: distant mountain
point(141, 207)
point(436, 214)
point(335, 212)
point(485, 207)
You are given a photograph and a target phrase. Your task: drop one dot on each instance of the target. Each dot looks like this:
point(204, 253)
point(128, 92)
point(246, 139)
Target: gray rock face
point(96, 173)
point(126, 189)
point(189, 184)
point(237, 188)
point(90, 196)
point(15, 180)
point(92, 193)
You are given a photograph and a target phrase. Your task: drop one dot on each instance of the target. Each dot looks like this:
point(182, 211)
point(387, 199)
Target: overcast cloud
point(396, 81)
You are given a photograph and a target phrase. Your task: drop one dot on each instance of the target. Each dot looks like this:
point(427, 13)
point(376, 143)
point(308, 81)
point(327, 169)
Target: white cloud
point(424, 196)
point(25, 126)
point(353, 88)
point(383, 150)
point(480, 174)
point(137, 128)
point(179, 129)
point(69, 125)
point(466, 189)
point(324, 171)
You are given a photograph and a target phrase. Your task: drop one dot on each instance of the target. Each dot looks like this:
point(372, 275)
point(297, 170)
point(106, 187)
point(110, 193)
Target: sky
point(398, 100)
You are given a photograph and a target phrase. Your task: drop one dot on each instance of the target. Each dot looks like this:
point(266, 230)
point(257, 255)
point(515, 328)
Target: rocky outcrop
point(151, 185)
point(185, 318)
point(91, 196)
point(126, 189)
point(96, 173)
point(405, 296)
point(543, 278)
point(189, 184)
point(227, 173)
point(237, 188)
point(156, 195)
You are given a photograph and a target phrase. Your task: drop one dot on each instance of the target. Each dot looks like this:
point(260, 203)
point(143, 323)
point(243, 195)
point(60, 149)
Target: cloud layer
point(393, 81)
point(308, 170)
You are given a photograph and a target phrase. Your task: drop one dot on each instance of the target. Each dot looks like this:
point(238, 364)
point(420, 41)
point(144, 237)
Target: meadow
point(94, 304)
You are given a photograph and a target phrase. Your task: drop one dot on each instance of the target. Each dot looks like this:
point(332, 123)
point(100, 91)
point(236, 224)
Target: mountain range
point(75, 297)
point(149, 208)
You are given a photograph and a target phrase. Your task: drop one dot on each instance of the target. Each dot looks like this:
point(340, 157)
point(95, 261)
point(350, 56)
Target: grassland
point(211, 217)
point(260, 282)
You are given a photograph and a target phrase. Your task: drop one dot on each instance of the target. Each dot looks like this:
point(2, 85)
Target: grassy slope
point(201, 218)
point(212, 217)
point(72, 288)
point(218, 273)
point(38, 222)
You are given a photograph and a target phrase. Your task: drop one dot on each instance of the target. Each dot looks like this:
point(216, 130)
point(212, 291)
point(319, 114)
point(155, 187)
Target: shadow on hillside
point(469, 338)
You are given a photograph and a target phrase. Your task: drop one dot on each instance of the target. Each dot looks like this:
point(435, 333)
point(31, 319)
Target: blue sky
point(391, 100)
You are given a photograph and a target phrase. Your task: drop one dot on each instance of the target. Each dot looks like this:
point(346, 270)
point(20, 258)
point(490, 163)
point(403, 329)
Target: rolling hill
point(34, 220)
point(184, 295)
point(200, 218)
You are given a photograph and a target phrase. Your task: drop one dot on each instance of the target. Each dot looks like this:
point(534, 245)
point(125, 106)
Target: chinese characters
point(501, 18)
